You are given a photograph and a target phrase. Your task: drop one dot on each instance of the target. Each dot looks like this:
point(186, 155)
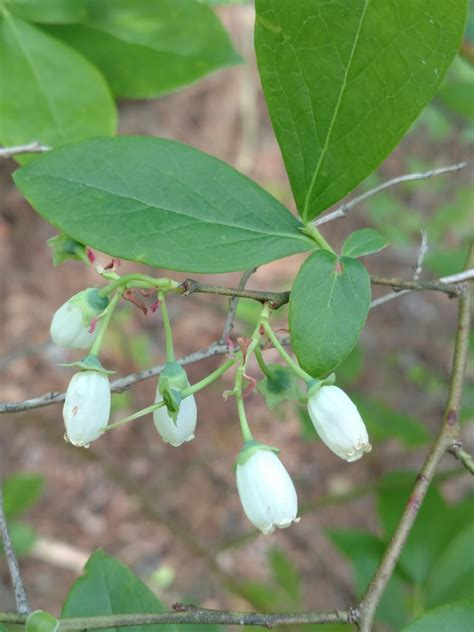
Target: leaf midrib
point(335, 113)
point(297, 235)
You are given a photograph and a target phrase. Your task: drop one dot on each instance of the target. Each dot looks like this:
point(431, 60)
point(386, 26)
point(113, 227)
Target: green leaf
point(459, 98)
point(41, 621)
point(109, 587)
point(429, 532)
point(20, 492)
point(286, 574)
point(344, 81)
point(161, 203)
point(364, 551)
point(47, 11)
point(283, 385)
point(364, 241)
point(48, 92)
point(454, 617)
point(22, 536)
point(150, 48)
point(384, 422)
point(329, 303)
point(452, 575)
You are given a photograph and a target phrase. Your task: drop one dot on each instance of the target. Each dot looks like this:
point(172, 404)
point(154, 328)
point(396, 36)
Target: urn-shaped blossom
point(266, 490)
point(338, 423)
point(87, 407)
point(176, 432)
point(176, 420)
point(72, 324)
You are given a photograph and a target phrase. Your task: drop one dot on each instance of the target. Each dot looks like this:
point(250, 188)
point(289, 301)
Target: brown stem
point(277, 299)
point(447, 437)
point(462, 456)
point(192, 614)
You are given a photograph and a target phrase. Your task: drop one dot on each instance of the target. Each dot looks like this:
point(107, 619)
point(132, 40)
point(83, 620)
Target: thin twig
point(346, 207)
point(462, 456)
point(460, 277)
point(30, 148)
point(219, 348)
point(21, 598)
point(278, 299)
point(448, 437)
point(184, 613)
point(233, 303)
point(117, 386)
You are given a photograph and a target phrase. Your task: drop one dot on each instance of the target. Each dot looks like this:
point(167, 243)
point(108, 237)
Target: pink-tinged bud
point(73, 324)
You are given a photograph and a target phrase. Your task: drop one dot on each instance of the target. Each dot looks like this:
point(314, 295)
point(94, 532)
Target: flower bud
point(71, 324)
point(338, 423)
point(176, 420)
point(87, 407)
point(266, 490)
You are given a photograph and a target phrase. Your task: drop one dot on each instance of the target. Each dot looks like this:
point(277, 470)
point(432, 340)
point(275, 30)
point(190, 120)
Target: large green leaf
point(109, 587)
point(149, 48)
point(364, 551)
point(48, 92)
point(162, 203)
point(452, 575)
point(329, 303)
point(47, 11)
point(345, 80)
point(384, 422)
point(429, 532)
point(457, 616)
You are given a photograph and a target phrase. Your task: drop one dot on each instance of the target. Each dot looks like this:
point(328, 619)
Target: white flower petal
point(338, 423)
point(67, 328)
point(183, 430)
point(266, 491)
point(87, 407)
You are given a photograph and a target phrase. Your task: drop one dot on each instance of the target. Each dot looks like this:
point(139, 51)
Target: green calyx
point(280, 383)
point(89, 363)
point(250, 447)
point(91, 304)
point(315, 385)
point(63, 248)
point(173, 380)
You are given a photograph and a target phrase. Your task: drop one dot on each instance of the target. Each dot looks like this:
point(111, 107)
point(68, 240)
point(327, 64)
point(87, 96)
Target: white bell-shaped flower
point(266, 490)
point(87, 407)
point(176, 432)
point(338, 423)
point(71, 324)
point(67, 328)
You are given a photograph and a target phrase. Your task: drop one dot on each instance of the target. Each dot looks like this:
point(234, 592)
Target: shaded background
point(173, 514)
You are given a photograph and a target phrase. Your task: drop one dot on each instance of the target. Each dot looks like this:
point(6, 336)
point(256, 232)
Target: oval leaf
point(363, 242)
point(162, 203)
point(329, 303)
point(109, 587)
point(344, 81)
point(150, 48)
point(48, 92)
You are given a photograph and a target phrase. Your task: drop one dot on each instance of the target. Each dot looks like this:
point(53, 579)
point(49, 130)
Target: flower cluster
point(266, 491)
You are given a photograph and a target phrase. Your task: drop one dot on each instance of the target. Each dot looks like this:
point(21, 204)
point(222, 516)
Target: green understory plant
point(343, 83)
